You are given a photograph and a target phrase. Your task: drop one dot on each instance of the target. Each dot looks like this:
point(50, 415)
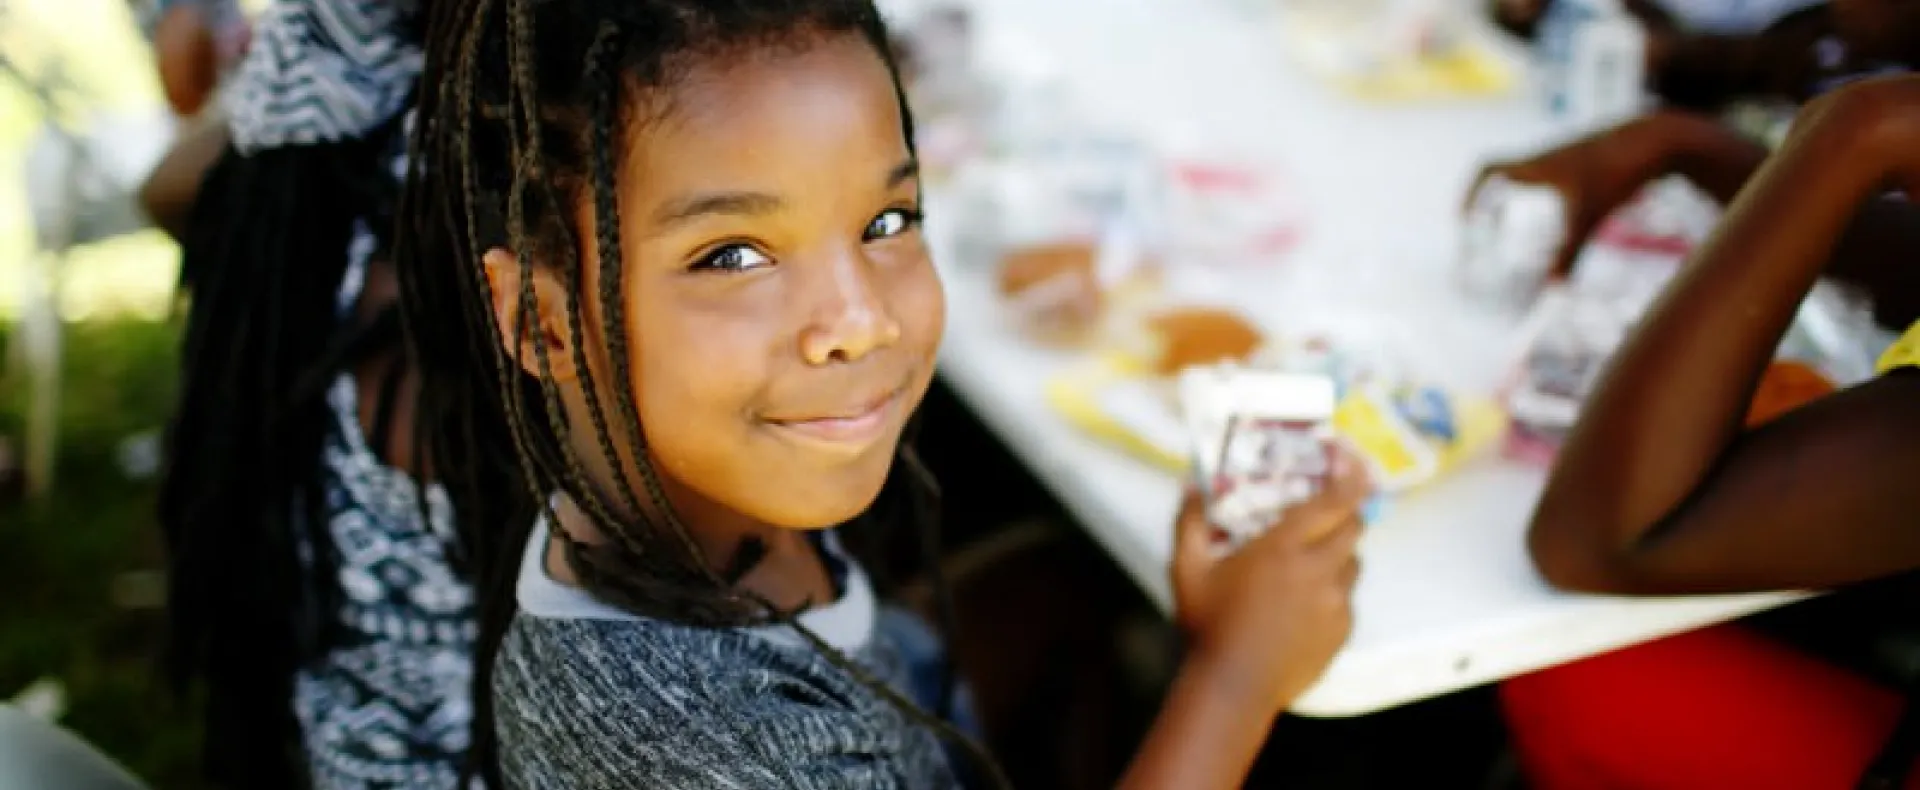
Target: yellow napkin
point(1113, 399)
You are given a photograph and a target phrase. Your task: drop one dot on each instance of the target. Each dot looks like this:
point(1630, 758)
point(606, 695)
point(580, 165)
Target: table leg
point(39, 343)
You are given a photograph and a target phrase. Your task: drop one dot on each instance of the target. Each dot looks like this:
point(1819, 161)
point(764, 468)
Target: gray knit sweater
point(590, 698)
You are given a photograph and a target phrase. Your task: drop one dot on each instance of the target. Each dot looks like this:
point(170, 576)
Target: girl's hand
point(1267, 619)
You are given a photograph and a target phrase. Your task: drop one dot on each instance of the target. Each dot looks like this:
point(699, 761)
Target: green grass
point(59, 558)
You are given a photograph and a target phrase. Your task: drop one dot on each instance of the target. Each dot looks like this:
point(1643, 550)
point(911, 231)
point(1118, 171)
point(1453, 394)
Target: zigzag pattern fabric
point(389, 706)
point(323, 71)
point(388, 709)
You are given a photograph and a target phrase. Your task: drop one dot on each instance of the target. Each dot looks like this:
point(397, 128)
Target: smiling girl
point(664, 260)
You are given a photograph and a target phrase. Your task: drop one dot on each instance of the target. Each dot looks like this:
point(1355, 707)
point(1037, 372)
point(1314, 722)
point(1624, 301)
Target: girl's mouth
point(854, 427)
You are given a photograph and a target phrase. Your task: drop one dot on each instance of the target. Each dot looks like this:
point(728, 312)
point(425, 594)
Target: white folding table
point(1448, 599)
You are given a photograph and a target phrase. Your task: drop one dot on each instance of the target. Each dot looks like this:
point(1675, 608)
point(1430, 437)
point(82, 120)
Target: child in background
point(1702, 54)
point(197, 45)
point(1663, 490)
point(663, 259)
point(316, 592)
point(1600, 173)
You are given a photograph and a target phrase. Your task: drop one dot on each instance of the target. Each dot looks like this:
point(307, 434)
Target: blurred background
point(1290, 188)
point(79, 571)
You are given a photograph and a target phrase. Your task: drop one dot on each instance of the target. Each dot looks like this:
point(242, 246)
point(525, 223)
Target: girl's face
point(782, 314)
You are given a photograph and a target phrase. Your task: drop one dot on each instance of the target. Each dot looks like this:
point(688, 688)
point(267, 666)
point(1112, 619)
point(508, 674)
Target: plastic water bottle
point(1592, 57)
point(1511, 235)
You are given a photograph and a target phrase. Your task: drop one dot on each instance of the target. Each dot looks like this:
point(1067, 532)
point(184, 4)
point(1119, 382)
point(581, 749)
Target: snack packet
point(1567, 341)
point(1512, 233)
point(1263, 442)
point(1397, 432)
point(1230, 214)
point(1592, 56)
point(1059, 293)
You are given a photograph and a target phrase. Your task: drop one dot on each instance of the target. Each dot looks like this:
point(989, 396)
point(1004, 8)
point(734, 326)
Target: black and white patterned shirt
point(389, 706)
point(323, 70)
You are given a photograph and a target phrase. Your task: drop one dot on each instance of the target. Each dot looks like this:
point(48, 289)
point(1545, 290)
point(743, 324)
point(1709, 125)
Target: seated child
point(663, 272)
point(1602, 172)
point(1702, 54)
point(1662, 488)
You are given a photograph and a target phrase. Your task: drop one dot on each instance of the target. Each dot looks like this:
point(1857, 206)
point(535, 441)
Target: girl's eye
point(732, 258)
point(892, 222)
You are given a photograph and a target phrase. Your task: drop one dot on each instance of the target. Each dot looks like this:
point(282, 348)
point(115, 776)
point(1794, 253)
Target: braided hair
point(519, 122)
point(263, 260)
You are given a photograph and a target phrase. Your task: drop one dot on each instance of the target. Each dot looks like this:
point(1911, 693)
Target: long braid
point(481, 303)
point(492, 519)
point(597, 53)
point(613, 303)
point(249, 568)
point(528, 171)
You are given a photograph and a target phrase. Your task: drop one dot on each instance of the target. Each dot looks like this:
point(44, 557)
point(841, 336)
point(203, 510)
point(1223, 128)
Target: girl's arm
point(1208, 734)
point(1263, 621)
point(1660, 489)
point(1598, 174)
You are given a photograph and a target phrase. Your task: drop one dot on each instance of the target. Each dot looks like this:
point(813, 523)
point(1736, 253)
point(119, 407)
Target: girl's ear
point(547, 327)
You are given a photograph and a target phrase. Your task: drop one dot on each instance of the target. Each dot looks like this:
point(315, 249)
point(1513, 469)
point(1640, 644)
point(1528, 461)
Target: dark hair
point(262, 262)
point(521, 117)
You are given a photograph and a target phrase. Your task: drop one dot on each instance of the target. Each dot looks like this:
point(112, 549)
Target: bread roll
point(1191, 336)
point(1054, 289)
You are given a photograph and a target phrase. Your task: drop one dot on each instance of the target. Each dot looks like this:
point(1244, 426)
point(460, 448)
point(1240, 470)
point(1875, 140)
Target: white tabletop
point(1448, 599)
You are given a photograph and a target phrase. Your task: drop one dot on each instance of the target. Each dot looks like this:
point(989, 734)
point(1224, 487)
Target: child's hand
point(1595, 175)
point(1271, 615)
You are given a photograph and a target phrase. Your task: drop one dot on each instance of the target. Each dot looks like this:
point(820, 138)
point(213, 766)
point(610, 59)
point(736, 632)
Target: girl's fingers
point(1347, 489)
point(1473, 190)
point(1193, 537)
point(1342, 538)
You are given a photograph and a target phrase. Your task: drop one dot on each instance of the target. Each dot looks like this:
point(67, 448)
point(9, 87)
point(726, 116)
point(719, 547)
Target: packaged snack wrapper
point(1573, 332)
point(1262, 442)
point(1511, 234)
point(1396, 50)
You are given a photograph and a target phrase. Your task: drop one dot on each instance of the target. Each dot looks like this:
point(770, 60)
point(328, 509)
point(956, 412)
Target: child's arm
point(1659, 489)
point(1263, 622)
point(1705, 72)
point(1207, 735)
point(186, 56)
point(1598, 174)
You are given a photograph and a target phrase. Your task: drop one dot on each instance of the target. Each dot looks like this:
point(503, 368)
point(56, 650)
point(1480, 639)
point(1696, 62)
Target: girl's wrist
point(1673, 137)
point(1231, 679)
